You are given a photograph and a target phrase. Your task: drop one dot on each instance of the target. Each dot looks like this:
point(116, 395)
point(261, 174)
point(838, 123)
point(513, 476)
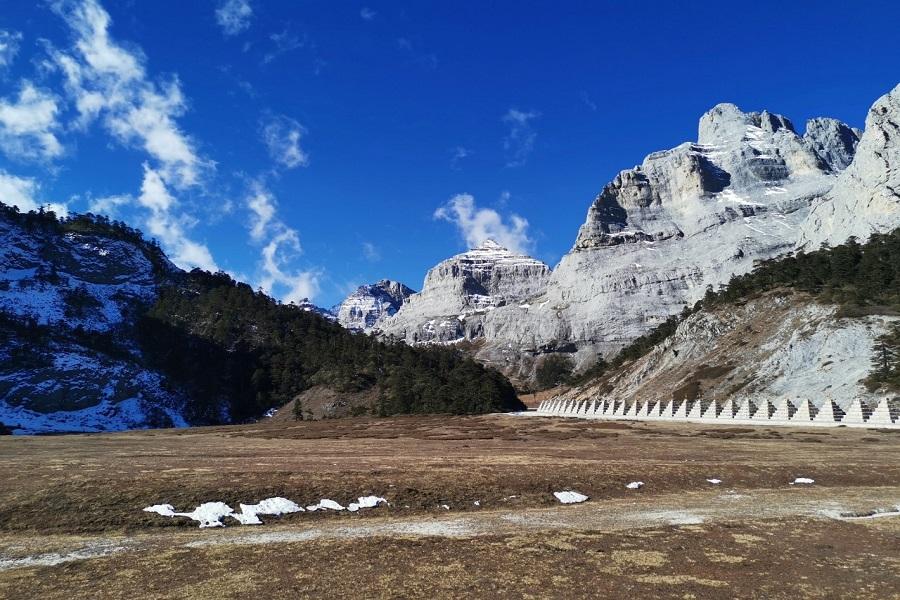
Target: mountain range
point(751, 188)
point(101, 331)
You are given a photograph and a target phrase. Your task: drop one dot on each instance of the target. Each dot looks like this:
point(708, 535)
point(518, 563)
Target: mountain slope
point(810, 326)
point(100, 331)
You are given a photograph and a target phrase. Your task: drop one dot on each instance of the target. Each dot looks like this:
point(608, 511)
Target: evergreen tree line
point(861, 278)
point(226, 343)
point(48, 224)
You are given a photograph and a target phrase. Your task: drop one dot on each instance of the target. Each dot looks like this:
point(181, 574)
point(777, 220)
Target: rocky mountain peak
point(490, 245)
point(866, 195)
point(725, 123)
point(369, 304)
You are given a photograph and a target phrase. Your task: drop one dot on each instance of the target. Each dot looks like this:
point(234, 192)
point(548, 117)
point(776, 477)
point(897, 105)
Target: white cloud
point(519, 142)
point(281, 136)
point(263, 206)
point(22, 192)
point(367, 14)
point(9, 47)
point(233, 16)
point(109, 205)
point(280, 246)
point(277, 279)
point(28, 123)
point(479, 224)
point(106, 81)
point(371, 252)
point(169, 229)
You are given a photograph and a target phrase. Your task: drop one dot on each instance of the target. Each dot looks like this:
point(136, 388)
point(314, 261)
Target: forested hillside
point(222, 340)
point(99, 330)
point(860, 278)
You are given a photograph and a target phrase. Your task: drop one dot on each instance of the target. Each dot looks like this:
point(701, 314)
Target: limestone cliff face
point(459, 292)
point(775, 346)
point(370, 304)
point(866, 196)
point(751, 188)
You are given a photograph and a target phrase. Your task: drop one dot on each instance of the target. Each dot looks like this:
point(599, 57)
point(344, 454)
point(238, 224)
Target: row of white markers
point(783, 412)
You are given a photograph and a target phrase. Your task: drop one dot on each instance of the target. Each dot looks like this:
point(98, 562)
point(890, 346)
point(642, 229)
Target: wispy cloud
point(9, 47)
point(109, 205)
point(282, 136)
point(233, 16)
point(280, 245)
point(28, 124)
point(519, 141)
point(459, 153)
point(371, 252)
point(479, 224)
point(367, 14)
point(108, 82)
point(22, 192)
point(170, 229)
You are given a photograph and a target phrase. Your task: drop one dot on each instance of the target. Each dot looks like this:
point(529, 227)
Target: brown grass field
point(71, 524)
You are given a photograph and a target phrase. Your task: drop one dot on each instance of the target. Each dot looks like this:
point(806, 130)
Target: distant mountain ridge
point(369, 304)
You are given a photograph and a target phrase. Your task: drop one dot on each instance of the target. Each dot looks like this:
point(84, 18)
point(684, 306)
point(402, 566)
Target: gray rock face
point(459, 292)
point(659, 234)
point(369, 304)
point(866, 196)
point(834, 142)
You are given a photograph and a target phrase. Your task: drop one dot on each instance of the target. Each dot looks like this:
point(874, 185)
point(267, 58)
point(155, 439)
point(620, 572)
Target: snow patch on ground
point(325, 504)
point(210, 514)
point(570, 497)
point(803, 481)
point(249, 514)
point(366, 502)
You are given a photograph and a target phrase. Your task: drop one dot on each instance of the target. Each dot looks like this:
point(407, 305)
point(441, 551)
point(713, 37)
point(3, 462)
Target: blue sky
point(312, 146)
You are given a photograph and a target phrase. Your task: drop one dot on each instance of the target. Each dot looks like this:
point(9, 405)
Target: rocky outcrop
point(459, 292)
point(657, 236)
point(866, 196)
point(370, 304)
point(66, 299)
point(773, 347)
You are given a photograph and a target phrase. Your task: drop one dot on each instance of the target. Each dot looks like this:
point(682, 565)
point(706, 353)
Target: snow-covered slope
point(751, 188)
point(370, 304)
point(776, 346)
point(67, 304)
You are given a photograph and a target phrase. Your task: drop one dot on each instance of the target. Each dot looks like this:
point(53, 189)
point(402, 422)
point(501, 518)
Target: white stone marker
point(805, 413)
point(711, 411)
point(743, 413)
point(727, 412)
point(696, 411)
point(882, 414)
point(828, 413)
point(762, 411)
point(783, 413)
point(855, 413)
